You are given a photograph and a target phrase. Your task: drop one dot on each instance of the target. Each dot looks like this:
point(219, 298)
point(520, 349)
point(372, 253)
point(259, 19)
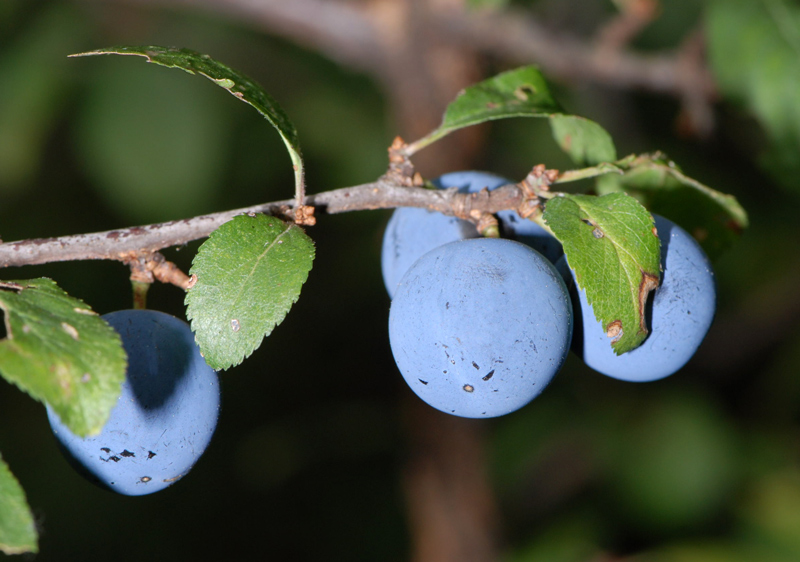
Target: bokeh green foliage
point(153, 143)
point(754, 47)
point(307, 463)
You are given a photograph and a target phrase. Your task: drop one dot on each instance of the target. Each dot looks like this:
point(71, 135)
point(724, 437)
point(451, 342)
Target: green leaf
point(754, 50)
point(599, 171)
point(524, 93)
point(249, 273)
point(610, 244)
point(517, 93)
point(714, 218)
point(236, 83)
point(586, 142)
point(60, 352)
point(17, 531)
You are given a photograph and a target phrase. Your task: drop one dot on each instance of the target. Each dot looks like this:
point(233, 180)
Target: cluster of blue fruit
point(480, 326)
point(165, 416)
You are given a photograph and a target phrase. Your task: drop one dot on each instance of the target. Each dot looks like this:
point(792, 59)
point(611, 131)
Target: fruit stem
point(140, 289)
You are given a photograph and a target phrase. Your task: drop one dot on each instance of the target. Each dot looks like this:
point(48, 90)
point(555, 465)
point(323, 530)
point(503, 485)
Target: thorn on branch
point(148, 267)
point(401, 170)
point(168, 272)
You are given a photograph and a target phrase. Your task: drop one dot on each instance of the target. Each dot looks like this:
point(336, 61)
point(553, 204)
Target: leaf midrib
point(245, 283)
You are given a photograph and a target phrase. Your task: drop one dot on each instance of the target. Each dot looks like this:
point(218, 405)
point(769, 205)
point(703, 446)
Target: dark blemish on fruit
point(127, 453)
point(106, 450)
point(447, 305)
point(114, 458)
point(150, 455)
point(423, 382)
point(489, 375)
point(469, 388)
point(474, 364)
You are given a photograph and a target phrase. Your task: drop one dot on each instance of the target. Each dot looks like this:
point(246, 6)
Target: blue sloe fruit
point(412, 232)
point(165, 416)
point(479, 327)
point(679, 313)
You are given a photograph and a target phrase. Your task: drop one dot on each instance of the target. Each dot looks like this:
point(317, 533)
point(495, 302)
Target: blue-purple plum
point(679, 314)
point(164, 417)
point(479, 327)
point(412, 232)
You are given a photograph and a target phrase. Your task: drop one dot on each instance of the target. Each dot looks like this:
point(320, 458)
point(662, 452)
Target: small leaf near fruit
point(249, 273)
point(611, 245)
point(60, 352)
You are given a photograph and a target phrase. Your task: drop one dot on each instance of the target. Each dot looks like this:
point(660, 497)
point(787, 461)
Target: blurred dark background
point(322, 453)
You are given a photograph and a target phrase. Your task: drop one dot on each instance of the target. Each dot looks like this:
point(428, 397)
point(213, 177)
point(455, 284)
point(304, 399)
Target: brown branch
point(515, 36)
point(697, 114)
point(355, 34)
point(142, 240)
point(149, 267)
point(341, 30)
